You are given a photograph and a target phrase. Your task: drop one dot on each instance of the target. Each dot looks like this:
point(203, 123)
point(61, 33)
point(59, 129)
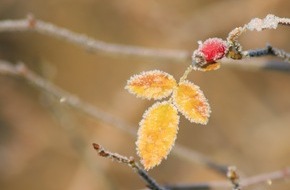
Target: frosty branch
point(131, 163)
point(32, 24)
point(256, 24)
point(237, 182)
point(20, 70)
point(39, 26)
point(264, 178)
point(64, 97)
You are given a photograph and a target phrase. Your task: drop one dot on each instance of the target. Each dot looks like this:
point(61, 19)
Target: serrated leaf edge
point(134, 77)
point(141, 124)
point(203, 99)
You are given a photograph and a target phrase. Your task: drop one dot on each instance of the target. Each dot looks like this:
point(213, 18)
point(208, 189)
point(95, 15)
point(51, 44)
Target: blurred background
point(47, 145)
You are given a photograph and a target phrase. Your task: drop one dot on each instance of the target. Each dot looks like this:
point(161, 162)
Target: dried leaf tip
point(157, 133)
point(151, 84)
point(191, 102)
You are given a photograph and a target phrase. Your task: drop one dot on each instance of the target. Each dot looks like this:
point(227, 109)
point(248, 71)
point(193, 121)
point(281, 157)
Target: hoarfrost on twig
point(269, 22)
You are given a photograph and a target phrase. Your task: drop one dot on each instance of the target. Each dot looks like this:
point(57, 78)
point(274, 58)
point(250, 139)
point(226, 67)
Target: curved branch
point(39, 26)
point(20, 70)
point(265, 178)
point(94, 45)
point(152, 184)
point(268, 50)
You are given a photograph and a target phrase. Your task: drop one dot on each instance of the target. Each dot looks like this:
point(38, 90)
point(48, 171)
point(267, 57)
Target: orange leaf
point(151, 84)
point(211, 67)
point(157, 133)
point(191, 102)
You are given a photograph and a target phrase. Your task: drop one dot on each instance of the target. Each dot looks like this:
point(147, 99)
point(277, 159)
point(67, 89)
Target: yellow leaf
point(151, 85)
point(157, 133)
point(191, 102)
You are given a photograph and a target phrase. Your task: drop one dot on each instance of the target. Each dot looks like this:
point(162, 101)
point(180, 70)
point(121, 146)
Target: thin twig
point(152, 184)
point(39, 26)
point(269, 50)
point(265, 178)
point(20, 70)
point(64, 97)
point(199, 158)
point(232, 175)
point(78, 140)
point(31, 24)
point(269, 22)
point(257, 24)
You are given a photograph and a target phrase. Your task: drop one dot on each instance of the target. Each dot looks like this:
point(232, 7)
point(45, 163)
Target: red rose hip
point(213, 49)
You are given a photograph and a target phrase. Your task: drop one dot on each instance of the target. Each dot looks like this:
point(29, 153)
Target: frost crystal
point(270, 22)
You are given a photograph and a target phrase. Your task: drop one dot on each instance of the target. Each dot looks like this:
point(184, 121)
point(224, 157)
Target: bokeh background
point(47, 145)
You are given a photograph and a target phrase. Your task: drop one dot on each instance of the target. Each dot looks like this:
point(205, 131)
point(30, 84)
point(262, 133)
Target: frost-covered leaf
point(157, 133)
point(191, 102)
point(151, 84)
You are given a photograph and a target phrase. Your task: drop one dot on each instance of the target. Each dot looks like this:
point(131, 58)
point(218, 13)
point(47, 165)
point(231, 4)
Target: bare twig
point(32, 24)
point(269, 50)
point(20, 70)
point(182, 151)
point(39, 26)
point(269, 22)
point(152, 184)
point(265, 178)
point(232, 175)
point(64, 97)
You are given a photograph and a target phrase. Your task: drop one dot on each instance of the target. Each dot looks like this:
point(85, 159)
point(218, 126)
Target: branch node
point(31, 21)
point(21, 69)
point(234, 178)
point(151, 183)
